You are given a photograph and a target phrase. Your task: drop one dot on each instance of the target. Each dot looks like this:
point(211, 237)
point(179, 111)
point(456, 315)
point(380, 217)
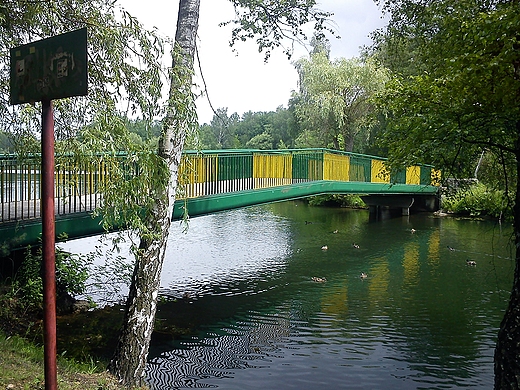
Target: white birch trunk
point(129, 361)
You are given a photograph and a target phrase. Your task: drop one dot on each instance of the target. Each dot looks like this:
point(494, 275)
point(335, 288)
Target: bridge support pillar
point(377, 204)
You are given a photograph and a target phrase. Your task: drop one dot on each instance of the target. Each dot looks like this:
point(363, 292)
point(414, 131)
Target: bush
point(477, 200)
point(337, 200)
point(71, 275)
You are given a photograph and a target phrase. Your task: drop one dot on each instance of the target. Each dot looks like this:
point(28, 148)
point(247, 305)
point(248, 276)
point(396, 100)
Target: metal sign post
point(49, 69)
point(48, 247)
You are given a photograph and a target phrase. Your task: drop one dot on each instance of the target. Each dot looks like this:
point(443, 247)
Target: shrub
point(477, 200)
point(71, 275)
point(337, 200)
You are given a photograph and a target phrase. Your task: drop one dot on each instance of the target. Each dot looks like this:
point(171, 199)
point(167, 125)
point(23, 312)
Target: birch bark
point(129, 361)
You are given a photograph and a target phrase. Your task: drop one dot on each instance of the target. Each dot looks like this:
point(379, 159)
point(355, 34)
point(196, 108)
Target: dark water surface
point(422, 319)
point(248, 288)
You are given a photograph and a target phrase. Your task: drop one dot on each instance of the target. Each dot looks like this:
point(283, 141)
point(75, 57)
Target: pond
point(272, 297)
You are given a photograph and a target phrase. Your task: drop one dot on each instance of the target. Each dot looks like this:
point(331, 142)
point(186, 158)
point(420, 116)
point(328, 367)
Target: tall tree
point(124, 63)
point(222, 129)
point(460, 95)
point(335, 97)
point(270, 22)
point(129, 360)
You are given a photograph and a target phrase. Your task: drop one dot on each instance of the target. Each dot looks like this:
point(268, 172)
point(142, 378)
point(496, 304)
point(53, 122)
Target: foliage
point(496, 170)
point(71, 275)
point(461, 98)
point(261, 141)
point(335, 99)
point(335, 200)
point(6, 143)
point(219, 133)
point(308, 139)
point(272, 22)
point(233, 132)
point(124, 62)
point(477, 200)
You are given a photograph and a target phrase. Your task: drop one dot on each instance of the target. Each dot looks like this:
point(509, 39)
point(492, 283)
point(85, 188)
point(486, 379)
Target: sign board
point(50, 69)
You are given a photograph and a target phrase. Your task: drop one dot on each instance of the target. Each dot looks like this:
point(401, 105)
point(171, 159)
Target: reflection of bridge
point(209, 181)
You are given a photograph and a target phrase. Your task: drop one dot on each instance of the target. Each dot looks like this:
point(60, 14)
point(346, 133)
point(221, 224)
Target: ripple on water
point(256, 320)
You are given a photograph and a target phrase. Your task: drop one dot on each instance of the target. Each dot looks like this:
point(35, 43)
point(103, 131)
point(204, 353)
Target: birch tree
point(129, 361)
point(269, 22)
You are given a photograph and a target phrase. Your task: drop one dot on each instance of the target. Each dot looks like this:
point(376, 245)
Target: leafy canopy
point(125, 73)
point(270, 22)
point(457, 95)
point(336, 97)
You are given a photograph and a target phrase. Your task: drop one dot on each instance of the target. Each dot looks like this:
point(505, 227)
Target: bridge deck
point(210, 182)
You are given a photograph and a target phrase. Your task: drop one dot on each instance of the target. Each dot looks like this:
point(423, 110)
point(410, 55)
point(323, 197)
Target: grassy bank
point(21, 367)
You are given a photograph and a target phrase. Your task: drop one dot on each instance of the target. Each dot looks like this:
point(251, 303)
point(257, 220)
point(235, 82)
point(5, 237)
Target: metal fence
point(79, 183)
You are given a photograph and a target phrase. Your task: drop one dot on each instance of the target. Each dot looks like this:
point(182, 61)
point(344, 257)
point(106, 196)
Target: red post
point(48, 247)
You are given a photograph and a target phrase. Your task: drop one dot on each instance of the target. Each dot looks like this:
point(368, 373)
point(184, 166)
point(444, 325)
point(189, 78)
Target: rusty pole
point(48, 246)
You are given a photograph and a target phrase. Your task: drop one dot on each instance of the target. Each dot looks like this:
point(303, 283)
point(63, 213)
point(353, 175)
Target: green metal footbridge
point(209, 182)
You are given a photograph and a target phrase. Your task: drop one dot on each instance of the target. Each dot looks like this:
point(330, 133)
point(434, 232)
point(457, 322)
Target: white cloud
point(244, 82)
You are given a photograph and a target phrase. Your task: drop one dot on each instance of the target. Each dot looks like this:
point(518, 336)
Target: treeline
point(253, 130)
point(280, 129)
point(333, 107)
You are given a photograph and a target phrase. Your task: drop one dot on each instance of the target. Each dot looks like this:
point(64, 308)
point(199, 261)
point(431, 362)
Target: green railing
point(79, 183)
point(77, 186)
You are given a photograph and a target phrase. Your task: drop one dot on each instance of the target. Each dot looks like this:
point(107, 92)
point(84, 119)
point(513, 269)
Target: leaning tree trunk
point(129, 361)
point(507, 351)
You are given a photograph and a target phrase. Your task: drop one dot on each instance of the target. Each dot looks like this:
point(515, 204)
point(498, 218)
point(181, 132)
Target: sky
point(242, 82)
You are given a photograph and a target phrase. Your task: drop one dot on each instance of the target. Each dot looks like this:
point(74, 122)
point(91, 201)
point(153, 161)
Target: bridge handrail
point(204, 172)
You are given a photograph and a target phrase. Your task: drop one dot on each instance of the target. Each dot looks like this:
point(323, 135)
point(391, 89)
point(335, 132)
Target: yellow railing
point(78, 184)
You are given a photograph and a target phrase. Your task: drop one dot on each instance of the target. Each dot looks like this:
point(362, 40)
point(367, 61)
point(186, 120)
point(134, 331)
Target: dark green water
point(255, 319)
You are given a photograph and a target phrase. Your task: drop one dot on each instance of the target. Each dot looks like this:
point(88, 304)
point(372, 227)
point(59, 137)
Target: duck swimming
point(356, 246)
point(324, 247)
point(363, 275)
point(471, 262)
point(318, 280)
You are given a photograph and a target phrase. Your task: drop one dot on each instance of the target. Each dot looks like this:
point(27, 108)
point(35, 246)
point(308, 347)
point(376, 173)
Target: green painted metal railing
point(213, 172)
point(202, 173)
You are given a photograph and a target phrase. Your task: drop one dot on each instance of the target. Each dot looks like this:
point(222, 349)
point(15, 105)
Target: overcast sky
point(244, 82)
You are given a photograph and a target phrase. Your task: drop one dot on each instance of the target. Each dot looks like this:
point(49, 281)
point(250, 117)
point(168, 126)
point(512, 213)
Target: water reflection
point(225, 254)
point(422, 318)
point(243, 310)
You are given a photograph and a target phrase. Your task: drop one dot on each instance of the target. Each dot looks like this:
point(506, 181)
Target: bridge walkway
point(209, 182)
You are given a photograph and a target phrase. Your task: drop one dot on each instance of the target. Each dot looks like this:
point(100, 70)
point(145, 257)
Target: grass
point(22, 356)
point(22, 361)
point(21, 367)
